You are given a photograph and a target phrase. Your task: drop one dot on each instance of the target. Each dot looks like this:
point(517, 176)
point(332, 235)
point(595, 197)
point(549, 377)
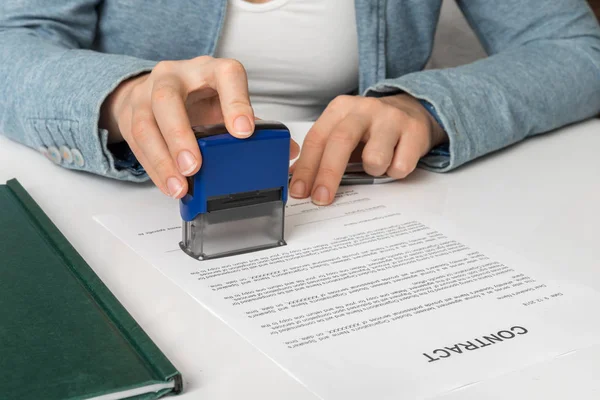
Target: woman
point(112, 86)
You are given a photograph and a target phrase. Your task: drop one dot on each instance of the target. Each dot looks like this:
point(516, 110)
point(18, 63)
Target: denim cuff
point(432, 111)
point(124, 159)
point(92, 77)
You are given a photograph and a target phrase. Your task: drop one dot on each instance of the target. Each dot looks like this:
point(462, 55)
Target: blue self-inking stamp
point(236, 203)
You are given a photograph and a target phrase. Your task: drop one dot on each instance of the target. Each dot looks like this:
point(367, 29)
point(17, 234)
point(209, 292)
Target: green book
point(63, 335)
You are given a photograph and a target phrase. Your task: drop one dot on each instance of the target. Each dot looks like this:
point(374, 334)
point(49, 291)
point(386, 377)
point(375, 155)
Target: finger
point(143, 160)
point(168, 105)
point(124, 122)
point(227, 80)
point(294, 149)
point(407, 154)
point(378, 152)
point(340, 144)
point(145, 136)
point(231, 83)
point(204, 112)
point(307, 165)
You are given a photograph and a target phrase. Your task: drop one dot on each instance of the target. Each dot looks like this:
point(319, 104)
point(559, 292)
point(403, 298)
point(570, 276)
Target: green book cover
point(63, 335)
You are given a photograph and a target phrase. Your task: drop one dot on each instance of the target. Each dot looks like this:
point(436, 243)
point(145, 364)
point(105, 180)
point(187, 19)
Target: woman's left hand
point(396, 132)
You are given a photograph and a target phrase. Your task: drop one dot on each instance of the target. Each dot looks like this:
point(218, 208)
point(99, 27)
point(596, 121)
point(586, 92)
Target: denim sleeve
point(543, 72)
point(53, 86)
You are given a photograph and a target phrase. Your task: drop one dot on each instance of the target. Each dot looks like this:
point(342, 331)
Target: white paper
point(368, 302)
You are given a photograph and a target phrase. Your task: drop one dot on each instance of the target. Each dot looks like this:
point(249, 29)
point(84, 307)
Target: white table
point(540, 198)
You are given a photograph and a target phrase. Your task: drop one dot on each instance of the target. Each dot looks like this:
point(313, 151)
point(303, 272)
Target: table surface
point(538, 198)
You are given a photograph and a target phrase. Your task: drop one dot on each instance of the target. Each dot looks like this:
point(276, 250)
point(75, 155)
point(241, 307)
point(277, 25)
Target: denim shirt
point(59, 60)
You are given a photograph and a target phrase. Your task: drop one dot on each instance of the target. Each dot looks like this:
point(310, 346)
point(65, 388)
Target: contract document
point(367, 301)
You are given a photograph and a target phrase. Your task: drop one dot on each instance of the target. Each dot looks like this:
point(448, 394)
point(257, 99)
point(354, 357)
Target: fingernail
point(175, 187)
point(298, 189)
point(242, 126)
point(321, 196)
point(187, 162)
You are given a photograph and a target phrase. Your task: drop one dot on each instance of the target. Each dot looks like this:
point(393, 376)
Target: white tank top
point(298, 54)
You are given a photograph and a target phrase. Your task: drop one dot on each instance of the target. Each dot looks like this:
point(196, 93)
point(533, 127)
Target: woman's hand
point(154, 114)
point(396, 132)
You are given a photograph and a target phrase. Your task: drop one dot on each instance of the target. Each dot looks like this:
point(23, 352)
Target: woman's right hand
point(154, 114)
